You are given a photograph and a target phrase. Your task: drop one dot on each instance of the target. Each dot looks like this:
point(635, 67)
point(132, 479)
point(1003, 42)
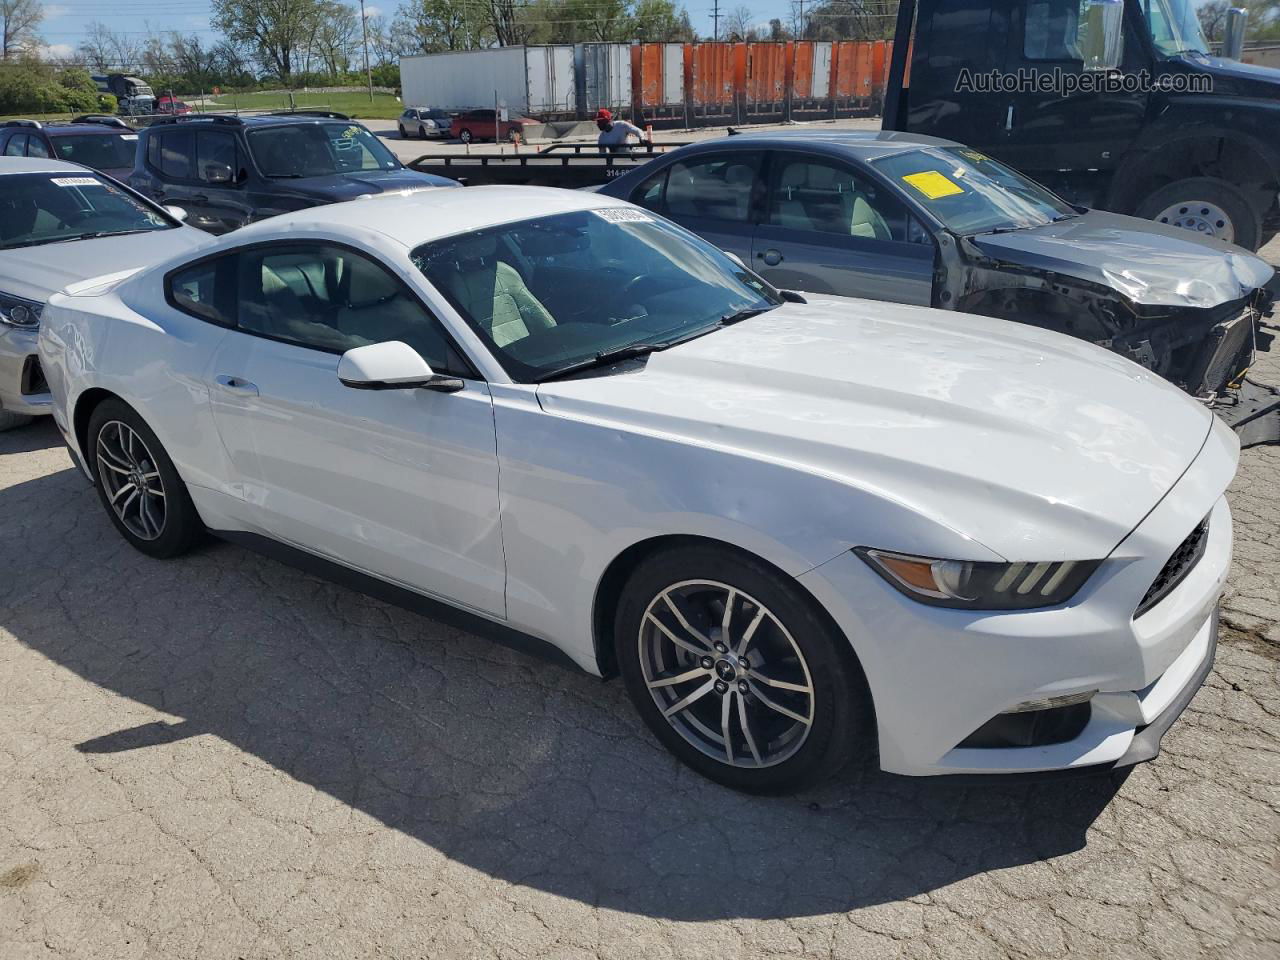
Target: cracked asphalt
point(222, 757)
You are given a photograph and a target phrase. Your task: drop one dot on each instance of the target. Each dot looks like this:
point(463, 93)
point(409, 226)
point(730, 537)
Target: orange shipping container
point(766, 72)
point(802, 84)
point(709, 73)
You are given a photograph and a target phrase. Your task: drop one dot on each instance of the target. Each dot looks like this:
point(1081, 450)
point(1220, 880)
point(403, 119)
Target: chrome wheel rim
point(1199, 216)
point(726, 673)
point(131, 480)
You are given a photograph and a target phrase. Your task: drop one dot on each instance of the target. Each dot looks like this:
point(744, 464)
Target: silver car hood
point(40, 271)
point(1037, 445)
point(1148, 263)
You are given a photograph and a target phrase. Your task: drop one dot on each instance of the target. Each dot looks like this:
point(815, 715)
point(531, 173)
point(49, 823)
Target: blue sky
point(65, 20)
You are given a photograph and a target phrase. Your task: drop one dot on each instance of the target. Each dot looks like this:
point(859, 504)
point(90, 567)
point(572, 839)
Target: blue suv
point(226, 171)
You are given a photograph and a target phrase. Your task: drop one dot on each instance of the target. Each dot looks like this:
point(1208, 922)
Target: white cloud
point(52, 10)
point(56, 51)
point(370, 11)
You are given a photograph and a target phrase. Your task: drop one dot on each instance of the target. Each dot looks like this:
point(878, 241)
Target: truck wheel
point(1208, 206)
point(464, 135)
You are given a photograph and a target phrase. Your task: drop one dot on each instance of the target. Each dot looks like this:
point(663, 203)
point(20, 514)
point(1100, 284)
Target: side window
point(216, 149)
point(649, 193)
point(204, 290)
point(823, 197)
point(1054, 30)
point(16, 146)
point(153, 152)
point(719, 187)
point(36, 147)
point(176, 153)
point(332, 299)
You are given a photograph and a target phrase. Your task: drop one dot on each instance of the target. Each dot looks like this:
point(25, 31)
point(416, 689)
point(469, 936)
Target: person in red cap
point(615, 133)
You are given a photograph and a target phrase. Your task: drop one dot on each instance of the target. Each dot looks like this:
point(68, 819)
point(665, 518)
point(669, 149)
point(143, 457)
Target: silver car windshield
point(38, 208)
point(971, 193)
point(556, 293)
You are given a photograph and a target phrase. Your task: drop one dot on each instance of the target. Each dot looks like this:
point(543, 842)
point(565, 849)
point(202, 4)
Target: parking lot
point(220, 756)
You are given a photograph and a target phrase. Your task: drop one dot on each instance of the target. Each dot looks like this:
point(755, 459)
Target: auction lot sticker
point(933, 184)
point(623, 215)
point(77, 181)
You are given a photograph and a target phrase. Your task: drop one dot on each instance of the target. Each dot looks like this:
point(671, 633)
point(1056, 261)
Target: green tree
point(432, 26)
point(19, 21)
point(659, 21)
point(277, 30)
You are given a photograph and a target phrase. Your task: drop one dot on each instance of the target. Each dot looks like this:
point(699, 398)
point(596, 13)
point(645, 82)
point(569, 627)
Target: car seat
point(493, 294)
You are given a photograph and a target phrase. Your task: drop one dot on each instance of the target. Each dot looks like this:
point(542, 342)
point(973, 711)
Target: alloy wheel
point(131, 480)
point(726, 673)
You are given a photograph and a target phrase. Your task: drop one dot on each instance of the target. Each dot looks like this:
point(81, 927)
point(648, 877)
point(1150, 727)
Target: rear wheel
point(464, 135)
point(9, 420)
point(737, 674)
point(1207, 206)
point(138, 484)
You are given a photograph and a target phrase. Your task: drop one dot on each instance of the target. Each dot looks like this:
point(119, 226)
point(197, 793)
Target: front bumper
point(22, 387)
point(939, 675)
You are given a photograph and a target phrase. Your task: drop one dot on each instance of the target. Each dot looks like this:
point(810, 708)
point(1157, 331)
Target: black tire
point(464, 135)
point(10, 420)
point(513, 134)
point(180, 528)
point(1245, 222)
point(422, 132)
point(403, 135)
point(841, 719)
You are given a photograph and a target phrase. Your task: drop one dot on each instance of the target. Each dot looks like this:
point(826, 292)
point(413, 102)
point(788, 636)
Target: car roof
point(56, 128)
point(413, 217)
point(38, 165)
point(863, 144)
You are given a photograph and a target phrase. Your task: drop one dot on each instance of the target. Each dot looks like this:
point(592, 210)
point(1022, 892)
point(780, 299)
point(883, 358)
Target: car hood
point(38, 272)
point(348, 186)
point(1148, 263)
point(1036, 445)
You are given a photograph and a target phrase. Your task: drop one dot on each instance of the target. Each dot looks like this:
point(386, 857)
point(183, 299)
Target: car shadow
point(39, 434)
point(527, 771)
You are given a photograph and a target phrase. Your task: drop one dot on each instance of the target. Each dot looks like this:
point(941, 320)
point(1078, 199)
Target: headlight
point(974, 585)
point(19, 312)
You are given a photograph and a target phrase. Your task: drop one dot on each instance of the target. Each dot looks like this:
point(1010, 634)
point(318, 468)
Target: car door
point(171, 159)
point(402, 484)
point(829, 228)
point(714, 195)
point(216, 204)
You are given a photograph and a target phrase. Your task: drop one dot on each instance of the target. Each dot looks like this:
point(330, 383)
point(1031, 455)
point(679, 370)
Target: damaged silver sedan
point(913, 219)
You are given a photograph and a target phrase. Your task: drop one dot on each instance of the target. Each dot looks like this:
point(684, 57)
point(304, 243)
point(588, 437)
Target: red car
point(481, 125)
point(171, 105)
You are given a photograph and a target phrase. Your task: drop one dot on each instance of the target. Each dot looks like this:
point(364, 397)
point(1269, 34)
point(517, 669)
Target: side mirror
point(217, 173)
point(393, 365)
point(177, 213)
point(1102, 36)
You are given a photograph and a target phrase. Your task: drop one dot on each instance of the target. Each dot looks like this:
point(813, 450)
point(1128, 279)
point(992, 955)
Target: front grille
point(1178, 566)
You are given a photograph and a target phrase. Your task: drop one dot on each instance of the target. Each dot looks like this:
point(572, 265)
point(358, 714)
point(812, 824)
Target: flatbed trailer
point(569, 165)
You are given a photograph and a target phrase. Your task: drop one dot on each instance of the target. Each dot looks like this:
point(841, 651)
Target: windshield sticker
point(351, 132)
point(933, 184)
point(77, 181)
point(973, 155)
point(623, 215)
point(129, 136)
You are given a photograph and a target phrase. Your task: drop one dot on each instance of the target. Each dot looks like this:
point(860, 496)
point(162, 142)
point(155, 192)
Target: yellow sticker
point(933, 184)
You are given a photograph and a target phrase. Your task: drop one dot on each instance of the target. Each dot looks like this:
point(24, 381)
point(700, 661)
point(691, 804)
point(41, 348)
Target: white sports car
point(800, 531)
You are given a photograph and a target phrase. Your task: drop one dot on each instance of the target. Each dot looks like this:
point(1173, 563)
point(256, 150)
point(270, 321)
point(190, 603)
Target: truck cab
point(1116, 104)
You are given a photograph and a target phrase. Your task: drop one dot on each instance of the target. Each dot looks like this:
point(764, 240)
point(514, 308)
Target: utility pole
point(715, 20)
point(364, 32)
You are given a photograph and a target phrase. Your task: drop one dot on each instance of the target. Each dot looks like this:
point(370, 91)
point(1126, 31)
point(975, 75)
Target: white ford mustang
point(800, 531)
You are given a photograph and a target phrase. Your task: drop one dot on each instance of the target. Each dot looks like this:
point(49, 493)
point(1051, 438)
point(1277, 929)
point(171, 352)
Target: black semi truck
point(1115, 104)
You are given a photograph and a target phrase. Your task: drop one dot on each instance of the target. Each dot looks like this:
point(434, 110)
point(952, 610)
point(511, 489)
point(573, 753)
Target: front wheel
point(422, 133)
point(138, 484)
point(464, 135)
point(403, 135)
point(1207, 206)
point(513, 135)
point(736, 672)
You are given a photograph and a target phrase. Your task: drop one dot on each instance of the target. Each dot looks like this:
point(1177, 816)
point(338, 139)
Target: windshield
point(97, 150)
point(557, 291)
point(1174, 27)
point(971, 193)
point(319, 150)
point(40, 208)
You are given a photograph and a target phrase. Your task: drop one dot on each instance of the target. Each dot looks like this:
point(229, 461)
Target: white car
point(424, 123)
point(801, 531)
point(61, 223)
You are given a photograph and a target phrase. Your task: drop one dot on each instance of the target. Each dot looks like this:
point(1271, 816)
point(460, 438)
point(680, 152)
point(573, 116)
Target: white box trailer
point(604, 71)
point(524, 80)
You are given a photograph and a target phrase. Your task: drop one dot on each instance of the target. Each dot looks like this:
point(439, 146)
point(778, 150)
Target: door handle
point(1008, 118)
point(771, 256)
point(237, 385)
